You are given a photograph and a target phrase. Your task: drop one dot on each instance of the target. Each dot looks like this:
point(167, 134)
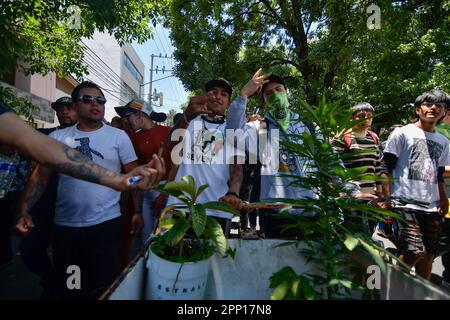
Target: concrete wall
point(247, 276)
point(45, 115)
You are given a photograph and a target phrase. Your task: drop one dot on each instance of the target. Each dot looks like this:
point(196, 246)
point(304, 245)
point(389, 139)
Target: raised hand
point(254, 84)
point(197, 105)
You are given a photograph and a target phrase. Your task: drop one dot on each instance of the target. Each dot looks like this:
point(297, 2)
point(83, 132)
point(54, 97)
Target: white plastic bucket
point(165, 280)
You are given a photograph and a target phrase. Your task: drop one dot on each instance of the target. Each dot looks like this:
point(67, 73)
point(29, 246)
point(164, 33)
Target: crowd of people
point(87, 223)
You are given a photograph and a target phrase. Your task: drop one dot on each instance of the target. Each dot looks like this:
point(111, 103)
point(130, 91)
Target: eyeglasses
point(89, 99)
point(438, 105)
point(363, 114)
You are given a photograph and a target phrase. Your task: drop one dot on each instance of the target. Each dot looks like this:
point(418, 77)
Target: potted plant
point(179, 258)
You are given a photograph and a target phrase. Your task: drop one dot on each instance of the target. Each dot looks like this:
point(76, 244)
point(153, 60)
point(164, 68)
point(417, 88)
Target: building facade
point(117, 70)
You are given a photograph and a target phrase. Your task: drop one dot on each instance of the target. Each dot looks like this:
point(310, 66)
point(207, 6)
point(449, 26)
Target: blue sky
point(172, 88)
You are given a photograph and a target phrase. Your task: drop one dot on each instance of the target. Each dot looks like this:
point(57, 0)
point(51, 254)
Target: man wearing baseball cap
point(277, 162)
point(204, 155)
point(140, 105)
point(147, 137)
point(65, 112)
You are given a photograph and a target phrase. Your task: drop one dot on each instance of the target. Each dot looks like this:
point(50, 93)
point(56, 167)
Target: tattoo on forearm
point(79, 166)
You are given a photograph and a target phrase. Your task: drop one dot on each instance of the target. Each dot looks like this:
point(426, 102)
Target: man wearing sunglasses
point(415, 157)
point(87, 216)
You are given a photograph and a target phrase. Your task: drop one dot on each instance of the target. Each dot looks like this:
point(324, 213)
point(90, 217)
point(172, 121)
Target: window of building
point(132, 68)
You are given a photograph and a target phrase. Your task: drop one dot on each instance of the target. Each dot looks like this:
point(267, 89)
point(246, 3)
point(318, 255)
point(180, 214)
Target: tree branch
point(274, 12)
point(262, 13)
point(278, 61)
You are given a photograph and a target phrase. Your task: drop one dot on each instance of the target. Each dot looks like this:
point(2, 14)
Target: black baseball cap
point(271, 78)
point(219, 82)
point(61, 101)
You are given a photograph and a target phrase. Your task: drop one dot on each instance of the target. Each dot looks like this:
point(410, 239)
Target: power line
point(178, 92)
point(114, 97)
point(166, 37)
point(173, 85)
point(106, 81)
point(105, 75)
point(101, 60)
point(99, 63)
point(101, 76)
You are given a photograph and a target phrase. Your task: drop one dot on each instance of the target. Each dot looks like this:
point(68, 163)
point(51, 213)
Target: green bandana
point(278, 107)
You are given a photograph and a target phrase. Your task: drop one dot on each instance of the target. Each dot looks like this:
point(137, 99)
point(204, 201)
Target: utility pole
point(163, 70)
point(151, 79)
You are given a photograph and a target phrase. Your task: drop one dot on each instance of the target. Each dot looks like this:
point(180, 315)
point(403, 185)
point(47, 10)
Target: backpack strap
point(347, 141)
point(374, 136)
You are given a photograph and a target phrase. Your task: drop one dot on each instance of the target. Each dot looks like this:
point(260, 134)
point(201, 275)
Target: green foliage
point(317, 46)
point(43, 36)
point(20, 105)
point(288, 285)
point(331, 235)
point(192, 235)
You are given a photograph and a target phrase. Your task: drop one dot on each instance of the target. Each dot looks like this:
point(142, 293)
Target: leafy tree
point(316, 45)
point(42, 36)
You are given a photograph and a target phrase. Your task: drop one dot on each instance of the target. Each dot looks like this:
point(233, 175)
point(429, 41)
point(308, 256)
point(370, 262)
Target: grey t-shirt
point(419, 154)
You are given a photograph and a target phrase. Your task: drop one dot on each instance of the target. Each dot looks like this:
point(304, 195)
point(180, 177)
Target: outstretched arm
point(60, 157)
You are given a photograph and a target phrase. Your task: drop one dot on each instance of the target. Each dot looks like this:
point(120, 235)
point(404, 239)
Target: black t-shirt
point(4, 108)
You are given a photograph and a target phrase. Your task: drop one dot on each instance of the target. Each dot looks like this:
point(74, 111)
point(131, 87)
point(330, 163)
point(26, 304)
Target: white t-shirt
point(419, 154)
point(203, 158)
point(80, 203)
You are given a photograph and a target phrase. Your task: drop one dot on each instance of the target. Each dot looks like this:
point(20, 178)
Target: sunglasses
point(439, 105)
point(89, 99)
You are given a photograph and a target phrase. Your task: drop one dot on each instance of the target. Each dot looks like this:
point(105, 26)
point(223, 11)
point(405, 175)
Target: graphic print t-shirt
point(203, 156)
point(419, 153)
point(80, 203)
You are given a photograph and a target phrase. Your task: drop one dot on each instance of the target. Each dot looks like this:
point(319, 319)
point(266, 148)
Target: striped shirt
point(363, 152)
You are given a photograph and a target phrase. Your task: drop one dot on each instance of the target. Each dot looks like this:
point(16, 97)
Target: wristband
point(232, 194)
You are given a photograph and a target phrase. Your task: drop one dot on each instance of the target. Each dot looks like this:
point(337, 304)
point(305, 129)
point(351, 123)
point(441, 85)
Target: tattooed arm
point(53, 154)
point(33, 191)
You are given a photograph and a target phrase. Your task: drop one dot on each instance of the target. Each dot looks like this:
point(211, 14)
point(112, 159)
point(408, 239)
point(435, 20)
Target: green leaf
point(192, 184)
point(351, 242)
point(220, 206)
point(198, 219)
point(307, 288)
point(176, 189)
point(177, 232)
point(231, 252)
point(280, 291)
point(200, 190)
point(375, 255)
point(216, 233)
